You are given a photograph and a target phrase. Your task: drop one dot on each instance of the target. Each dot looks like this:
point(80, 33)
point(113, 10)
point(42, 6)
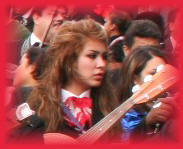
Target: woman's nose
point(101, 62)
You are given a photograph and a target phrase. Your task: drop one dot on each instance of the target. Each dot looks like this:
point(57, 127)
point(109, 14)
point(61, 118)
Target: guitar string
point(98, 124)
point(158, 87)
point(91, 133)
point(116, 110)
point(107, 117)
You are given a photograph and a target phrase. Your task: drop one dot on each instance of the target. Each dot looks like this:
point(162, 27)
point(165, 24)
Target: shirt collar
point(66, 94)
point(34, 39)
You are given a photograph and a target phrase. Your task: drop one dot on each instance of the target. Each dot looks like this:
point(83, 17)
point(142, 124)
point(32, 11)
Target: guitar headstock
point(164, 79)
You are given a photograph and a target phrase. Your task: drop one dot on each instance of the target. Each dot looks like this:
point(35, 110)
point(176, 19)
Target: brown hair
point(61, 60)
point(36, 57)
point(133, 66)
point(121, 19)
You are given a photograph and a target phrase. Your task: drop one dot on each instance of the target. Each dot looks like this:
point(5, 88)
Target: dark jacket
point(35, 129)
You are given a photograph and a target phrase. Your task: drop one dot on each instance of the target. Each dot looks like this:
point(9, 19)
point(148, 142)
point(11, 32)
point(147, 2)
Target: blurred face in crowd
point(141, 41)
point(150, 68)
point(91, 64)
point(23, 72)
point(43, 21)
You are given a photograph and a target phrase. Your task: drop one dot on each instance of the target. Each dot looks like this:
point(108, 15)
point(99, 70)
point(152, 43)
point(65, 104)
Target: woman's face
point(23, 72)
point(150, 68)
point(91, 64)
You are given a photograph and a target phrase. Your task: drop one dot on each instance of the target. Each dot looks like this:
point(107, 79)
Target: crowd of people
point(68, 68)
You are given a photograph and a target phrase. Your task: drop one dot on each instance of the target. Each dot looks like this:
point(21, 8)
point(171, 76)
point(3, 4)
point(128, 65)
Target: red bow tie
point(81, 108)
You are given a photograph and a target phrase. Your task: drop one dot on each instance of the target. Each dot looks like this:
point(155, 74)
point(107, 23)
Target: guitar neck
point(161, 82)
point(94, 133)
point(103, 125)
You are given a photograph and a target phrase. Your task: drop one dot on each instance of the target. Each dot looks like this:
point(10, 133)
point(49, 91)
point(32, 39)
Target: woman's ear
point(31, 68)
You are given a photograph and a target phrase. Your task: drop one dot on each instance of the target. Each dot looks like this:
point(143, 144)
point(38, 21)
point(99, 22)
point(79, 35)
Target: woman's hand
point(165, 108)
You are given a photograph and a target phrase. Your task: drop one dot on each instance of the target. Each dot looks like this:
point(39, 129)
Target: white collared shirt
point(66, 94)
point(34, 39)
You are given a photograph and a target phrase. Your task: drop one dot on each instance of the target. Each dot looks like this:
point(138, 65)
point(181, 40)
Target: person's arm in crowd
point(156, 117)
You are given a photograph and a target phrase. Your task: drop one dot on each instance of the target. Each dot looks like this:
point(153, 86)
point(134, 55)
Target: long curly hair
point(61, 60)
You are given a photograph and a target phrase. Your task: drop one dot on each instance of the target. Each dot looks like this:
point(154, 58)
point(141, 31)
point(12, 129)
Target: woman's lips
point(99, 76)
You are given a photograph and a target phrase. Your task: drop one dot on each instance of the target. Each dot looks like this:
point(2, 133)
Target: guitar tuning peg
point(160, 68)
point(148, 78)
point(135, 88)
point(157, 104)
point(23, 111)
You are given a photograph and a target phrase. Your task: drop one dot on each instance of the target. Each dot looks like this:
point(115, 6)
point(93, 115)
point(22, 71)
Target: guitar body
point(58, 138)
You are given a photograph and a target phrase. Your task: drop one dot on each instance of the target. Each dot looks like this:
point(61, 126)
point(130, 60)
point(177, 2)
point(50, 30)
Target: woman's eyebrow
point(94, 51)
point(97, 51)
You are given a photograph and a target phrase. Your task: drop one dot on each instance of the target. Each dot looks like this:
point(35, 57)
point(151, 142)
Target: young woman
point(143, 119)
point(76, 68)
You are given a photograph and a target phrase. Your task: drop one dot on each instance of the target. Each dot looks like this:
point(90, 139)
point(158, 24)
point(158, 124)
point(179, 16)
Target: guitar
point(160, 83)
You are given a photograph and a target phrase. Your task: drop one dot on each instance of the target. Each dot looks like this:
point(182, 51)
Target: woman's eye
point(153, 72)
point(92, 56)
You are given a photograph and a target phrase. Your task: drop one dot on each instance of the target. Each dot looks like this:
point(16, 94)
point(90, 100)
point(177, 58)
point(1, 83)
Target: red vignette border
point(161, 3)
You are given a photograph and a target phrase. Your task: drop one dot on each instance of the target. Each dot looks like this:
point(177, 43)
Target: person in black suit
point(46, 21)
